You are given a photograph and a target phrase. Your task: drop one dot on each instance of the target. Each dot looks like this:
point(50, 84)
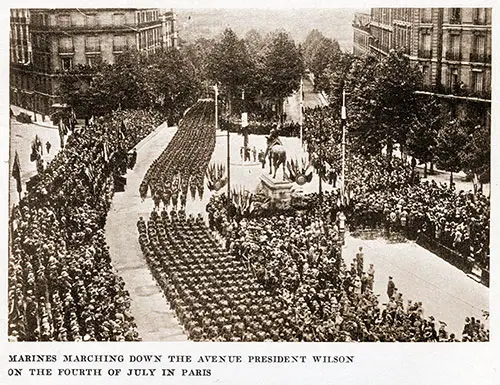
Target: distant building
point(64, 39)
point(451, 46)
point(361, 33)
point(169, 29)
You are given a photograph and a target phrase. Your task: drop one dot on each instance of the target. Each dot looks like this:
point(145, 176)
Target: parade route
point(156, 321)
point(418, 274)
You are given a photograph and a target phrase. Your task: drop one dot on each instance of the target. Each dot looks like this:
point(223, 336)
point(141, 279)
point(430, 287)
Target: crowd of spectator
point(62, 286)
point(390, 196)
point(280, 278)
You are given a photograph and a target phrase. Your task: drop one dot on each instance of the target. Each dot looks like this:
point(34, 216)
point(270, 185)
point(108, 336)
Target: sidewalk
point(41, 120)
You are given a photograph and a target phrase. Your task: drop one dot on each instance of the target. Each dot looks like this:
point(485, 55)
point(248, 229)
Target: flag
point(123, 130)
point(105, 150)
point(16, 173)
point(244, 119)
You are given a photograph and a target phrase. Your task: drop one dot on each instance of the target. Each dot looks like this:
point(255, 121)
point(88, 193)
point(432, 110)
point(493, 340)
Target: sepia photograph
point(249, 175)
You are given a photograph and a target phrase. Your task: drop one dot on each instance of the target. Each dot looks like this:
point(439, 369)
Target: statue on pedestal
point(276, 153)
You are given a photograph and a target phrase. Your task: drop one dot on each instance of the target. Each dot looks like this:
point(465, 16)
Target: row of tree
point(267, 69)
point(385, 109)
point(164, 80)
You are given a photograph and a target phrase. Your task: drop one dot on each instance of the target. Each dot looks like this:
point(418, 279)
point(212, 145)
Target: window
point(426, 74)
point(93, 60)
point(66, 63)
point(454, 79)
point(425, 44)
point(91, 20)
point(477, 81)
point(119, 43)
point(66, 45)
point(426, 15)
point(92, 44)
point(64, 20)
point(455, 15)
point(118, 19)
point(479, 16)
point(454, 47)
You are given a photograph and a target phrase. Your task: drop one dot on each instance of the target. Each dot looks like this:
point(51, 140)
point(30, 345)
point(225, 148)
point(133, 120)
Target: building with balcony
point(451, 46)
point(361, 33)
point(21, 88)
point(64, 39)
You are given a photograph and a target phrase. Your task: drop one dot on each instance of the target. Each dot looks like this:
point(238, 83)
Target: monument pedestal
point(278, 191)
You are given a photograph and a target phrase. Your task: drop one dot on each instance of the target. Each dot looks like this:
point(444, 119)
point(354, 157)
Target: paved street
point(445, 291)
point(155, 320)
point(311, 99)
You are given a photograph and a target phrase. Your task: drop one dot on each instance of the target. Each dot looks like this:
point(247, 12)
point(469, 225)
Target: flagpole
point(228, 176)
point(300, 112)
point(216, 107)
point(342, 217)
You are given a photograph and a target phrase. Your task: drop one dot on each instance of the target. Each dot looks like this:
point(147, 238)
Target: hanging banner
point(244, 119)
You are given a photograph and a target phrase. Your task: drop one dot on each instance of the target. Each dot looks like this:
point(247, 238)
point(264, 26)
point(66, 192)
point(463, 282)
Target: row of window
point(93, 19)
point(453, 80)
point(146, 16)
point(92, 43)
point(149, 38)
point(455, 15)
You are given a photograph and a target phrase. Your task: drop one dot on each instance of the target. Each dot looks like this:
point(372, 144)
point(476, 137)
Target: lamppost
point(216, 89)
point(244, 125)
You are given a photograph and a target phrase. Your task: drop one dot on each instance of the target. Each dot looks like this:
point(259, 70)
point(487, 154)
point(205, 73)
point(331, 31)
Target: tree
point(362, 118)
point(75, 90)
point(230, 65)
point(451, 139)
point(174, 83)
point(320, 53)
point(477, 151)
point(383, 101)
point(283, 69)
point(421, 138)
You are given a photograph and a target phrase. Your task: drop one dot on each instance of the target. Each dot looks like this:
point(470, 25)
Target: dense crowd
point(281, 279)
point(390, 196)
point(62, 286)
point(459, 221)
point(182, 165)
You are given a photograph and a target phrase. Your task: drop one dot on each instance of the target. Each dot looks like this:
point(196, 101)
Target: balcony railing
point(425, 53)
point(452, 55)
point(480, 57)
point(361, 27)
point(455, 20)
point(465, 92)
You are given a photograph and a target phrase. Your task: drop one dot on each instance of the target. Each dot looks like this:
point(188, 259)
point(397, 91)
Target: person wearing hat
point(390, 288)
point(359, 261)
